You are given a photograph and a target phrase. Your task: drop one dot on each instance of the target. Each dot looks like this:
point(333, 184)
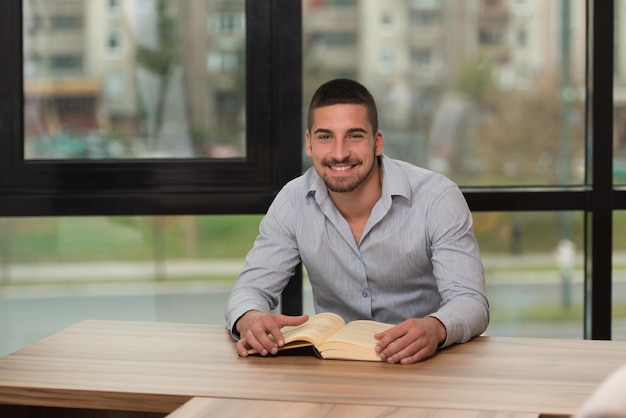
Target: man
point(380, 239)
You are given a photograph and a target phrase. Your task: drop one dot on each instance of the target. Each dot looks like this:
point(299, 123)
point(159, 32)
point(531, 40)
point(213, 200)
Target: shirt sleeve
point(458, 268)
point(269, 264)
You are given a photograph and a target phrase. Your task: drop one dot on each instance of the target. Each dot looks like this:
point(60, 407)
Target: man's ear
point(380, 142)
point(307, 143)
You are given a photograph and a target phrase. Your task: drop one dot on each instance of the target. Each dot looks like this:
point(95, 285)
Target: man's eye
point(355, 137)
point(323, 137)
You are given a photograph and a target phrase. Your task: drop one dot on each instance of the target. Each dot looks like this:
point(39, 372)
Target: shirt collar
point(395, 181)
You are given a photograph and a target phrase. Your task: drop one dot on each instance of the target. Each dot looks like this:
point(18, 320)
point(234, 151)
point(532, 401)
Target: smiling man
point(380, 239)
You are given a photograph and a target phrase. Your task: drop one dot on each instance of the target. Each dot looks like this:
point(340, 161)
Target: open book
point(332, 338)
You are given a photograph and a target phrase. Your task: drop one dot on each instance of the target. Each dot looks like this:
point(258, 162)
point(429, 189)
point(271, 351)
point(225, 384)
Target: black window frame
point(165, 186)
point(274, 110)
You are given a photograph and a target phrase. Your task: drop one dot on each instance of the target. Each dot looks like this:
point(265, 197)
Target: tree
point(161, 61)
point(475, 81)
point(518, 137)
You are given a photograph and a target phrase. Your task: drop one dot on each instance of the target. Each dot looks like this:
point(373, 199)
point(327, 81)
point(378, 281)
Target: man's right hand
point(255, 327)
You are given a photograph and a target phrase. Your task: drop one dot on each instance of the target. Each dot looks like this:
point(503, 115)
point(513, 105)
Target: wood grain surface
point(157, 367)
point(237, 408)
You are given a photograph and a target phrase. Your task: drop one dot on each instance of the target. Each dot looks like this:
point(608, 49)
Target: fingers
point(256, 337)
point(409, 342)
point(279, 321)
point(387, 337)
point(242, 347)
point(271, 328)
point(262, 332)
point(412, 353)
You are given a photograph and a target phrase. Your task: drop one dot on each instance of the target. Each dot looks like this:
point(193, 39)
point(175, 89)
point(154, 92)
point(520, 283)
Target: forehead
point(340, 116)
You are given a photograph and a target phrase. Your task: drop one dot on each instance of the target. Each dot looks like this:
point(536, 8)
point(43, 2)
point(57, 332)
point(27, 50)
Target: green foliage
point(538, 313)
point(127, 238)
point(619, 230)
point(161, 60)
point(475, 80)
point(228, 236)
point(546, 313)
point(538, 231)
point(231, 236)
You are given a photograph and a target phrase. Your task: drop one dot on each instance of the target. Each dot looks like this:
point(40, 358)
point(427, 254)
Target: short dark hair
point(343, 91)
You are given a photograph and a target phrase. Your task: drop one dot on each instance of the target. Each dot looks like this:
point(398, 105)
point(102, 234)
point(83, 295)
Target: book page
point(312, 332)
point(315, 330)
point(359, 333)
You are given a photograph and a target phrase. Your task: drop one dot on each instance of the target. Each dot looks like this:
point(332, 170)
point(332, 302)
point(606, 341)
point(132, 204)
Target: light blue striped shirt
point(417, 257)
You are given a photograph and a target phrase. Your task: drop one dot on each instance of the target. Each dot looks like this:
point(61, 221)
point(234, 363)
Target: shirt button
point(364, 294)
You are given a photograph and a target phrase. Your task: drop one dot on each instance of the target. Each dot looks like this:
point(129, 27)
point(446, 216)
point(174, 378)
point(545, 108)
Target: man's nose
point(340, 150)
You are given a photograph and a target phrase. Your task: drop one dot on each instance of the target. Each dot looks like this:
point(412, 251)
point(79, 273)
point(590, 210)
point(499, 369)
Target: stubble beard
point(344, 184)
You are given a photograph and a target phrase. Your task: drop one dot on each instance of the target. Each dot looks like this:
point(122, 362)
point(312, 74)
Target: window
point(114, 85)
point(229, 22)
point(490, 37)
point(469, 116)
point(423, 19)
point(56, 271)
point(32, 65)
point(114, 8)
point(114, 44)
point(66, 62)
point(534, 267)
point(341, 3)
point(162, 131)
point(522, 8)
point(386, 60)
point(335, 39)
point(421, 57)
point(555, 185)
point(492, 3)
point(522, 37)
point(166, 110)
point(386, 23)
point(65, 22)
point(424, 4)
point(619, 96)
point(222, 62)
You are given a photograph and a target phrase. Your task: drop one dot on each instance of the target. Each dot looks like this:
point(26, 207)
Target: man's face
point(343, 146)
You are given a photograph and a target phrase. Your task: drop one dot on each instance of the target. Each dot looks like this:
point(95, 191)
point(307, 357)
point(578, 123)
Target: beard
point(345, 184)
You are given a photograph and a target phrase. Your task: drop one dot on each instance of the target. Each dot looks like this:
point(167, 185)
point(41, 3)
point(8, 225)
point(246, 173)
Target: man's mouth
point(341, 167)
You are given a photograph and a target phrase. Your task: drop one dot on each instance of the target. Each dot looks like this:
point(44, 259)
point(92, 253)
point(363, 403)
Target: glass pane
point(534, 269)
point(55, 272)
point(618, 323)
point(619, 95)
point(112, 79)
point(486, 92)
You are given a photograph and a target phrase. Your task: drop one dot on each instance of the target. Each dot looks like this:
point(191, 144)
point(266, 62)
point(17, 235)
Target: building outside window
point(171, 104)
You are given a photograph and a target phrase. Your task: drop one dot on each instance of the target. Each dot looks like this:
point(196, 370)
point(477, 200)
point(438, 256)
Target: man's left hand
point(410, 341)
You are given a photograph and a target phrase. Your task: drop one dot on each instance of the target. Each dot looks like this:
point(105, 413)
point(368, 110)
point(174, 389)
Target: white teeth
point(342, 168)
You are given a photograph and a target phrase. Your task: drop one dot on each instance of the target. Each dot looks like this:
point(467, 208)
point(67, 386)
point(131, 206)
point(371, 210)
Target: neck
point(359, 202)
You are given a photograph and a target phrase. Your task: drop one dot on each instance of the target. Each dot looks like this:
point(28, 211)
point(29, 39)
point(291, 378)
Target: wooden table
point(237, 408)
point(154, 368)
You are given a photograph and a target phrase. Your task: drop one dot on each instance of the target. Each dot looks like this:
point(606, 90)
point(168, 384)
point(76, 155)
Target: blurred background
point(488, 92)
